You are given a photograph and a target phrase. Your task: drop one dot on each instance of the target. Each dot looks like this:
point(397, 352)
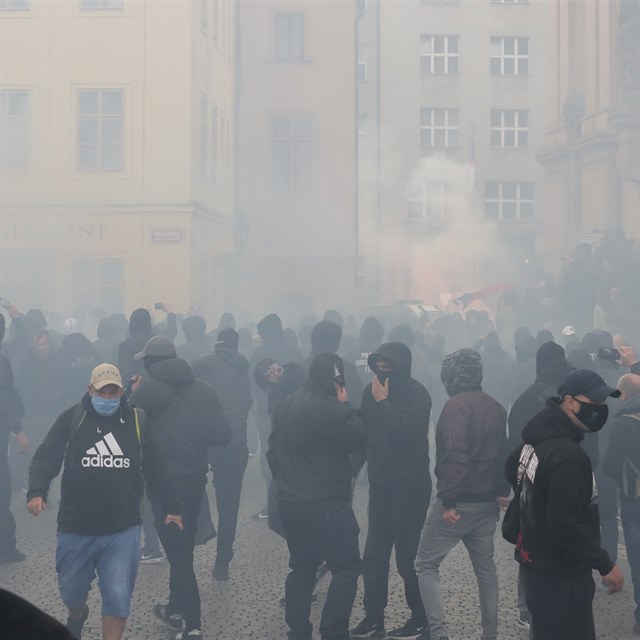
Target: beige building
point(117, 153)
point(591, 153)
point(295, 180)
point(451, 113)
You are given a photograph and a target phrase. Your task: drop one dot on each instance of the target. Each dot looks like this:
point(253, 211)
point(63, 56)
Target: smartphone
point(338, 378)
point(605, 353)
point(159, 306)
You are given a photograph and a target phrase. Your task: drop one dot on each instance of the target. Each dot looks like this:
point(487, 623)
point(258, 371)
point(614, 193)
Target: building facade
point(117, 153)
point(451, 113)
point(591, 153)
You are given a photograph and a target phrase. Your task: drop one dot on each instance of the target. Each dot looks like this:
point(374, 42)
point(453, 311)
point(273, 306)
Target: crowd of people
point(524, 417)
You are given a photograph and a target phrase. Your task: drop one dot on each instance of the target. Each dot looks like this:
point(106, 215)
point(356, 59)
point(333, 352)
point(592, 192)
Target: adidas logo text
point(106, 453)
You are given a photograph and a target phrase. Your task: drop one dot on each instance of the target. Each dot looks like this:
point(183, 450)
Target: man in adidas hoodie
point(187, 418)
point(558, 538)
point(101, 441)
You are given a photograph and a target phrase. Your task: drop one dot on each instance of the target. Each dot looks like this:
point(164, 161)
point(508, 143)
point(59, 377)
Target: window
point(362, 62)
point(98, 283)
point(439, 54)
point(433, 200)
point(15, 5)
point(362, 133)
point(292, 153)
point(509, 56)
point(289, 36)
point(215, 168)
point(14, 130)
point(439, 127)
point(204, 14)
point(509, 1)
point(104, 5)
point(202, 148)
point(509, 201)
point(100, 129)
point(510, 128)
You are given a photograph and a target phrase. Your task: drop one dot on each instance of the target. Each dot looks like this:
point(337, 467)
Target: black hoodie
point(313, 435)
point(140, 333)
point(560, 524)
point(397, 449)
point(104, 466)
point(198, 343)
point(185, 414)
point(369, 339)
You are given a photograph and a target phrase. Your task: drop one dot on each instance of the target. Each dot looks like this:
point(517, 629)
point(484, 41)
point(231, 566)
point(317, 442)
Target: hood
point(227, 338)
point(403, 333)
point(396, 353)
point(140, 323)
point(174, 372)
point(371, 333)
point(227, 320)
point(194, 328)
point(632, 405)
point(581, 359)
point(333, 316)
point(325, 337)
point(35, 320)
point(590, 342)
point(270, 328)
point(551, 357)
point(107, 329)
point(79, 344)
point(322, 373)
point(544, 335)
point(462, 371)
point(524, 344)
point(550, 422)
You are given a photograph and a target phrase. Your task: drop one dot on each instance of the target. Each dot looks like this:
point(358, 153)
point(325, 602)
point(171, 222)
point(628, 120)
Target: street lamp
point(240, 233)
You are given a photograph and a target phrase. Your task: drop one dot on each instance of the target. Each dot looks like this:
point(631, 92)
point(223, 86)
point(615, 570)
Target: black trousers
point(317, 532)
point(184, 597)
point(396, 518)
point(228, 465)
point(7, 521)
point(561, 605)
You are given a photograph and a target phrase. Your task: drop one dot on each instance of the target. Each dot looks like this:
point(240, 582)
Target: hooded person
point(140, 332)
point(108, 339)
point(369, 338)
point(197, 342)
point(78, 358)
point(521, 373)
point(396, 409)
point(495, 363)
point(273, 346)
point(228, 373)
point(187, 418)
point(557, 528)
point(314, 431)
point(325, 338)
point(419, 364)
point(470, 448)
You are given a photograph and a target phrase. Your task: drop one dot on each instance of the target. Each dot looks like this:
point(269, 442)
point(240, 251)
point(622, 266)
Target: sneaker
point(172, 620)
point(192, 633)
point(75, 626)
point(12, 556)
point(410, 629)
point(524, 623)
point(151, 557)
point(314, 599)
point(368, 629)
point(261, 515)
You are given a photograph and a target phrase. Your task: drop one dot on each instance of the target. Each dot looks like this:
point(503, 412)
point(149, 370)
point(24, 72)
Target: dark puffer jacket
point(470, 435)
point(397, 449)
point(185, 415)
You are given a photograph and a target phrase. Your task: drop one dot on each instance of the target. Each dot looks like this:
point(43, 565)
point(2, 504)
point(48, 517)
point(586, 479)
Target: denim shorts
point(113, 558)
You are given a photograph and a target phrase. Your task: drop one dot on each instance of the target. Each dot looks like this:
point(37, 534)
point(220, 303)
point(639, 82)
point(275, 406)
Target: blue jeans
point(476, 529)
point(114, 558)
point(630, 516)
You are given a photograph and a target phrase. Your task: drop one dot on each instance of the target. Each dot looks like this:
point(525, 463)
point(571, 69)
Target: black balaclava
point(270, 328)
point(194, 328)
point(325, 337)
point(140, 323)
point(227, 339)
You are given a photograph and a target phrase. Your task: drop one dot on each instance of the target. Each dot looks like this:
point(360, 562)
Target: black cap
point(587, 383)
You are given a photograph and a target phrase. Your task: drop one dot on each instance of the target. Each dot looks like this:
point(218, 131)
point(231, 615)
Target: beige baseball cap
point(105, 374)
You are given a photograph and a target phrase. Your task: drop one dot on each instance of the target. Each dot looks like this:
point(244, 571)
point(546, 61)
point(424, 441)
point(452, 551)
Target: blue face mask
point(105, 407)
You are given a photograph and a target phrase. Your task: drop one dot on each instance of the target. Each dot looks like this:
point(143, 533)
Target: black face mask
point(383, 376)
point(592, 416)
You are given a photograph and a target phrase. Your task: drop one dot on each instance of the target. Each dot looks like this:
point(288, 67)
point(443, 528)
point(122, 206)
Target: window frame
point(503, 58)
point(14, 123)
point(431, 128)
point(429, 58)
point(96, 287)
point(444, 202)
point(298, 164)
point(501, 201)
point(517, 129)
point(10, 5)
point(82, 8)
point(289, 56)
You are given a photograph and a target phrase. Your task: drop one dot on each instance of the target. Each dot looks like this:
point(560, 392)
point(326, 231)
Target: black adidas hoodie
point(102, 481)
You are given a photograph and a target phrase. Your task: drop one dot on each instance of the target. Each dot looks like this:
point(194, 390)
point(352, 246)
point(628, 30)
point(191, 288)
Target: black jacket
point(104, 466)
point(559, 520)
point(397, 449)
point(11, 407)
point(623, 453)
point(228, 373)
point(313, 435)
point(185, 415)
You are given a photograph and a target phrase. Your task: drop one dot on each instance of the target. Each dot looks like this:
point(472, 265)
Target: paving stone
point(247, 606)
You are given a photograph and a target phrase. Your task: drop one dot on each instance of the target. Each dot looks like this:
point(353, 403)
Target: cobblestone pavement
point(246, 607)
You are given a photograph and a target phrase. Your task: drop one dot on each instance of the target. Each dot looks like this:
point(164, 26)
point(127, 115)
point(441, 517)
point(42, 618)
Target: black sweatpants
point(396, 518)
point(561, 604)
point(317, 532)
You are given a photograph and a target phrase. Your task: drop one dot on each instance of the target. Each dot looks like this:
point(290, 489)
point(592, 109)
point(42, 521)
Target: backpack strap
point(77, 419)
